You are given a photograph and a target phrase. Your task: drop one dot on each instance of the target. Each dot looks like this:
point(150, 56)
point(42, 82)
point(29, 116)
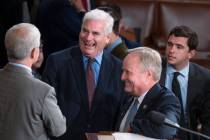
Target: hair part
point(184, 31)
point(150, 59)
point(97, 14)
point(20, 39)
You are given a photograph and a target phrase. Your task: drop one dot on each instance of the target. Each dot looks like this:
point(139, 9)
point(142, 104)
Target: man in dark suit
point(28, 106)
point(194, 81)
point(68, 71)
point(141, 73)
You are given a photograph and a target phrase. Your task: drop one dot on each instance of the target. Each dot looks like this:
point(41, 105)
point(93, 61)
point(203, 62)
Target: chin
point(171, 62)
point(128, 90)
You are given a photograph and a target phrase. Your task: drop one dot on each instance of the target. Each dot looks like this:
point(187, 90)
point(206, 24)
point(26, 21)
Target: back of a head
point(150, 60)
point(184, 31)
point(115, 12)
point(20, 40)
point(101, 15)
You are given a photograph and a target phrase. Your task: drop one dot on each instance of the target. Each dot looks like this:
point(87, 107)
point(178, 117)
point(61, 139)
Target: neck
point(23, 62)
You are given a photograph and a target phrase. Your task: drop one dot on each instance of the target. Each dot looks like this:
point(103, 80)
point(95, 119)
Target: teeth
point(89, 44)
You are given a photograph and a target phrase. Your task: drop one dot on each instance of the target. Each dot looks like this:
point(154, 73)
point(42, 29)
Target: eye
point(179, 46)
point(84, 30)
point(96, 34)
point(169, 44)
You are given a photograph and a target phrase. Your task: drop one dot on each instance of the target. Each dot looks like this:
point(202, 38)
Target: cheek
point(82, 35)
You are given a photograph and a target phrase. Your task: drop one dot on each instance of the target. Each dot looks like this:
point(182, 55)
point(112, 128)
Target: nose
point(89, 36)
point(172, 48)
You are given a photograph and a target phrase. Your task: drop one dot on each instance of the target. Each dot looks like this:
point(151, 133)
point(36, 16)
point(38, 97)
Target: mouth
point(89, 45)
point(170, 57)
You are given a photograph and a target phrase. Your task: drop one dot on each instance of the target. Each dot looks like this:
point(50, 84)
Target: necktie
point(177, 91)
point(90, 80)
point(176, 87)
point(131, 114)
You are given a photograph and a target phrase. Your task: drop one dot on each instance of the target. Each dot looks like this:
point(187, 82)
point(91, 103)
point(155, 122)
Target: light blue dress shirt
point(183, 81)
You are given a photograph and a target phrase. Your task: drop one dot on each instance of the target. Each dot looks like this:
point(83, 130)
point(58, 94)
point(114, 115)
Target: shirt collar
point(184, 72)
point(21, 65)
point(98, 58)
point(140, 98)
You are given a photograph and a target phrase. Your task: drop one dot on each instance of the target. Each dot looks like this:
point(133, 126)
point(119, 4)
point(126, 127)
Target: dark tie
point(131, 114)
point(176, 87)
point(177, 91)
point(90, 80)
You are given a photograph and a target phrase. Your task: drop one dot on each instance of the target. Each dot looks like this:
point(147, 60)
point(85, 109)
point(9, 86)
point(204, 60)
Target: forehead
point(94, 24)
point(178, 40)
point(131, 61)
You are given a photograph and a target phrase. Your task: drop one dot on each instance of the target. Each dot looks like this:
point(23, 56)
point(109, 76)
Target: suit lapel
point(79, 74)
point(146, 105)
point(103, 80)
point(149, 100)
point(123, 111)
point(192, 85)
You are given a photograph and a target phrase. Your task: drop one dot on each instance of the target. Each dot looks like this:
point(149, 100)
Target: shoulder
point(66, 51)
point(65, 54)
point(167, 95)
point(109, 57)
point(40, 87)
point(199, 70)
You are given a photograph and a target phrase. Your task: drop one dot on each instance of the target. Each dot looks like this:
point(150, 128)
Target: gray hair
point(150, 60)
point(20, 40)
point(97, 14)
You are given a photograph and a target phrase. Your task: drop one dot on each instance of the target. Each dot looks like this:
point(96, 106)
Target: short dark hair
point(115, 12)
point(184, 31)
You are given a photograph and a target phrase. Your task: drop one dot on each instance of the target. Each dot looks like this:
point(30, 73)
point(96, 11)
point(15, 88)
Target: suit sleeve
point(53, 119)
point(168, 105)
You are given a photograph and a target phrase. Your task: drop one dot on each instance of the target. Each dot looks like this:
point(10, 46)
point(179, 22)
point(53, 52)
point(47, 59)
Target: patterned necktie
point(90, 80)
point(131, 114)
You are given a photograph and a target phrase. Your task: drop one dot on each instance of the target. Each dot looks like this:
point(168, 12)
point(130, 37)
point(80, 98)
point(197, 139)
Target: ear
point(150, 75)
point(149, 72)
point(192, 54)
point(108, 37)
point(34, 54)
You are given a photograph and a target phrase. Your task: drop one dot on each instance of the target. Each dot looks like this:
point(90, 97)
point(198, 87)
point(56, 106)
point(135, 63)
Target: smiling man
point(193, 81)
point(87, 79)
point(141, 73)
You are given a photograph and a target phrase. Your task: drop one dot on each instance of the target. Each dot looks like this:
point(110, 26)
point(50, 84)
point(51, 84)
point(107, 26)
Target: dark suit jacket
point(65, 71)
point(120, 51)
point(198, 97)
point(158, 99)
